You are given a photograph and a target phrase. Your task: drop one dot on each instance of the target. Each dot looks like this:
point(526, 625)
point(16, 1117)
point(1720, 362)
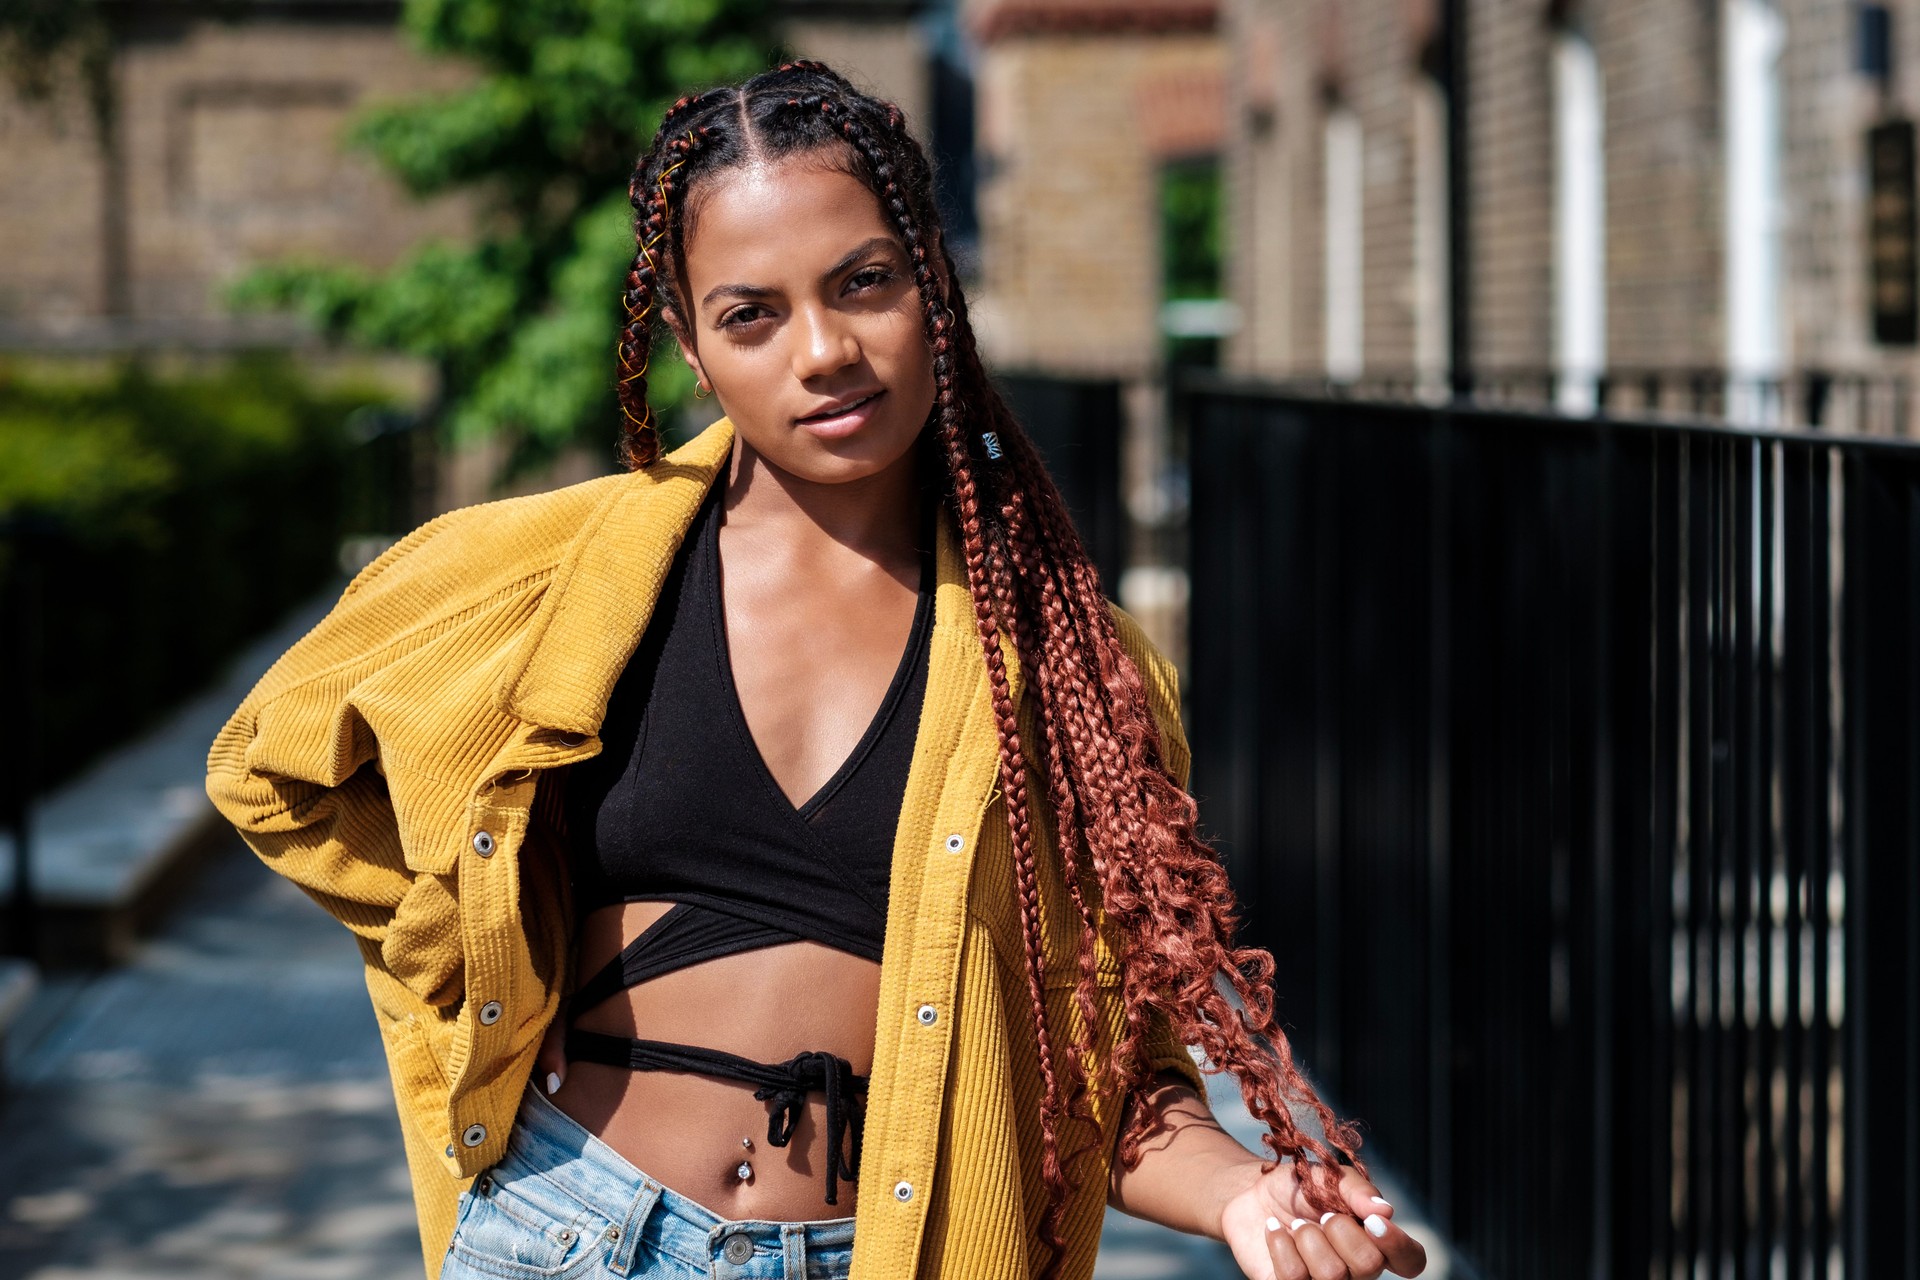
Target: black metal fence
point(1841, 400)
point(1077, 425)
point(100, 637)
point(1572, 771)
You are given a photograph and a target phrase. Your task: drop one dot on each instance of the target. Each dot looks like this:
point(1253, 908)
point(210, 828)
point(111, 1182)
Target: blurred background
point(1502, 410)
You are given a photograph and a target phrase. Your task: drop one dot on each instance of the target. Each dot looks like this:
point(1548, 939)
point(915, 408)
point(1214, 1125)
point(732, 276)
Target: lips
point(839, 407)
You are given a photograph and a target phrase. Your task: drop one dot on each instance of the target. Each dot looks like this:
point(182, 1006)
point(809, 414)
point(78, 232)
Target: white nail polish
point(1326, 1217)
point(1298, 1223)
point(553, 1083)
point(1376, 1225)
point(1382, 1203)
point(1273, 1224)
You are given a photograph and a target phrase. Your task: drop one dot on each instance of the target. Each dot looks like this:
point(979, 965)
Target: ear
point(687, 351)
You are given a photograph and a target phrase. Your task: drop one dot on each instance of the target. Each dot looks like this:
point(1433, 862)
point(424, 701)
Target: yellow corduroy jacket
point(397, 763)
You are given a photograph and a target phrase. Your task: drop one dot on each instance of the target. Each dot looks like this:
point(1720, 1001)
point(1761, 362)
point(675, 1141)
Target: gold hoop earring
point(701, 391)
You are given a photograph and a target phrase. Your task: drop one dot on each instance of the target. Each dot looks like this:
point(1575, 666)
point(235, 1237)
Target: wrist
point(1234, 1178)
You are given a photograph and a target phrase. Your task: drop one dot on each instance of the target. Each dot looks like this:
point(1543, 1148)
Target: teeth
point(834, 413)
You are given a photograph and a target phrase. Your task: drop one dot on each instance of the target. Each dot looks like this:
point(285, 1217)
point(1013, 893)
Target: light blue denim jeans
point(562, 1204)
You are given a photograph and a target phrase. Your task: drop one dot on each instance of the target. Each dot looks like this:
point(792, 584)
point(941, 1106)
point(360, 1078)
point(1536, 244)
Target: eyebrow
point(761, 291)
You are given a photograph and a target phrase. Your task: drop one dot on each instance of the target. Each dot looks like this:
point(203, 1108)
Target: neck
point(875, 517)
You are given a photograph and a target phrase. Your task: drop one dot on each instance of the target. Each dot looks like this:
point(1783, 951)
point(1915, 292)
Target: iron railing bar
point(1242, 386)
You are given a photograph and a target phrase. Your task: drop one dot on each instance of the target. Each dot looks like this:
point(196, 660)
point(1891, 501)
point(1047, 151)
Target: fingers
point(1334, 1249)
point(1361, 1245)
point(550, 1064)
point(1339, 1247)
point(1405, 1255)
point(1362, 1197)
point(1283, 1254)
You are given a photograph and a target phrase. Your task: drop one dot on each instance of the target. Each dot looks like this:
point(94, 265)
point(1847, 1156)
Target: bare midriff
point(685, 1130)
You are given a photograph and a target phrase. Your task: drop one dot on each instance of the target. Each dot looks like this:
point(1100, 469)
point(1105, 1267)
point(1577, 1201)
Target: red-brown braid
point(640, 434)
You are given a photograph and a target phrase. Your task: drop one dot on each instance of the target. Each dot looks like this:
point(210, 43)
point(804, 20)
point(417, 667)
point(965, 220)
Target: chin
point(855, 457)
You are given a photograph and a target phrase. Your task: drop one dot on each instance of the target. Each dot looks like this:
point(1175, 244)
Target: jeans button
point(738, 1250)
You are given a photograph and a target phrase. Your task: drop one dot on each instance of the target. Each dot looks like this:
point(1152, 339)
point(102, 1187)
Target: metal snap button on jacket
point(490, 1013)
point(475, 1135)
point(928, 1015)
point(483, 844)
point(737, 1250)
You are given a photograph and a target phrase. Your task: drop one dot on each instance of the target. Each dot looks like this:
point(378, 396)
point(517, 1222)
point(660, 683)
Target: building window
point(1432, 292)
point(1579, 223)
point(1194, 316)
point(1343, 161)
point(1755, 37)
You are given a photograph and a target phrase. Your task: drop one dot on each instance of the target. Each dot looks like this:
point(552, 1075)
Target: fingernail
point(1376, 1225)
point(1297, 1223)
point(553, 1083)
point(1273, 1224)
point(1382, 1203)
point(1325, 1216)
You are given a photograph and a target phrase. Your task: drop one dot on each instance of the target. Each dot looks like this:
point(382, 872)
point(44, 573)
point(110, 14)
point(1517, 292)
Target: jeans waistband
point(548, 1144)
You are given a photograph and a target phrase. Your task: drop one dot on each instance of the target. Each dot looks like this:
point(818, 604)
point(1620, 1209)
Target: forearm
point(1189, 1166)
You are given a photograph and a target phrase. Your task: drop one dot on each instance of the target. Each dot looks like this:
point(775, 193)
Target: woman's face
point(804, 319)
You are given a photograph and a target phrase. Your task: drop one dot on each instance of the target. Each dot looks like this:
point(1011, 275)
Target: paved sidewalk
point(219, 1109)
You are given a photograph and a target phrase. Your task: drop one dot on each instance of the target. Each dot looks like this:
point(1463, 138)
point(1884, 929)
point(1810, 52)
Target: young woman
point(774, 861)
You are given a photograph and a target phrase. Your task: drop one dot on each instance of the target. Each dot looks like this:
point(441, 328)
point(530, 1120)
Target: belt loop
point(620, 1261)
point(793, 1241)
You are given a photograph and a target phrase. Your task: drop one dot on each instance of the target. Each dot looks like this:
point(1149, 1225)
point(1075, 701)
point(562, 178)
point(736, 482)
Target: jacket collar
point(561, 673)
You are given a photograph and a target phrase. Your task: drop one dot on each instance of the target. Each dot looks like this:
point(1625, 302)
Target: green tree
point(521, 320)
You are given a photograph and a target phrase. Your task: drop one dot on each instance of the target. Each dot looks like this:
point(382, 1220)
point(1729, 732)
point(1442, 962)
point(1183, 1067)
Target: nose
point(822, 343)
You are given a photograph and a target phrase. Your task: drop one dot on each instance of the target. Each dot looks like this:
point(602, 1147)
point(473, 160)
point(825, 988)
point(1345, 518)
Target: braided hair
point(1125, 829)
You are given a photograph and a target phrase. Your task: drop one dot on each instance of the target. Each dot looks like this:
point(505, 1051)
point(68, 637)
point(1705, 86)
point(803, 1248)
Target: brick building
point(222, 151)
point(1621, 188)
point(1080, 105)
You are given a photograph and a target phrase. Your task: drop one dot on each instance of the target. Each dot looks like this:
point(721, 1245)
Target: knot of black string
point(817, 1072)
point(784, 1084)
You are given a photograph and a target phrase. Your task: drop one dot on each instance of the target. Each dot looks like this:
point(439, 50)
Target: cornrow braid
point(1134, 868)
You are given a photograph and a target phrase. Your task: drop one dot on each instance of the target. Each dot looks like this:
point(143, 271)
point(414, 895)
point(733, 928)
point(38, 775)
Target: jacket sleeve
point(1162, 679)
point(297, 769)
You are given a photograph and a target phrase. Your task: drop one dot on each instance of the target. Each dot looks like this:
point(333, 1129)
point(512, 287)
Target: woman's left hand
point(1275, 1235)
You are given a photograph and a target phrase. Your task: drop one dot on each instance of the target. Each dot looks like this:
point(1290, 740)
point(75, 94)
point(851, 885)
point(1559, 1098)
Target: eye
point(868, 278)
point(741, 316)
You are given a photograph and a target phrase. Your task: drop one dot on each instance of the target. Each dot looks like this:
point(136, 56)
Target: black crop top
point(679, 806)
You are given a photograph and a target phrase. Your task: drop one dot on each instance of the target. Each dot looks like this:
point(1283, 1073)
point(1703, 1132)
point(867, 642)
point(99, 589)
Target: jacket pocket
point(422, 948)
point(419, 1084)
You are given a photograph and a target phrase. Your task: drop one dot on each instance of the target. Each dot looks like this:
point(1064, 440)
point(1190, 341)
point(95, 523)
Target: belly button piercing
point(745, 1171)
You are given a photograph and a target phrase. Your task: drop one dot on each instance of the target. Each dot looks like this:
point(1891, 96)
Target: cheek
point(905, 343)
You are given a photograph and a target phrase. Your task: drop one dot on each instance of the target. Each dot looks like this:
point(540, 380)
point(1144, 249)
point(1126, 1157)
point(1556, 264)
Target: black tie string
point(785, 1085)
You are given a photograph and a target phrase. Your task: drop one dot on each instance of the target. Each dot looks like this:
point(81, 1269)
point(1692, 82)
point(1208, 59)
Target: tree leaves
point(522, 321)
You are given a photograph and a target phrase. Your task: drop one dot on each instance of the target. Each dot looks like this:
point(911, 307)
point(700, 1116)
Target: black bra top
point(679, 806)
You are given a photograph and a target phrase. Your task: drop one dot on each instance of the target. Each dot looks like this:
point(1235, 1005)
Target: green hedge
point(185, 515)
